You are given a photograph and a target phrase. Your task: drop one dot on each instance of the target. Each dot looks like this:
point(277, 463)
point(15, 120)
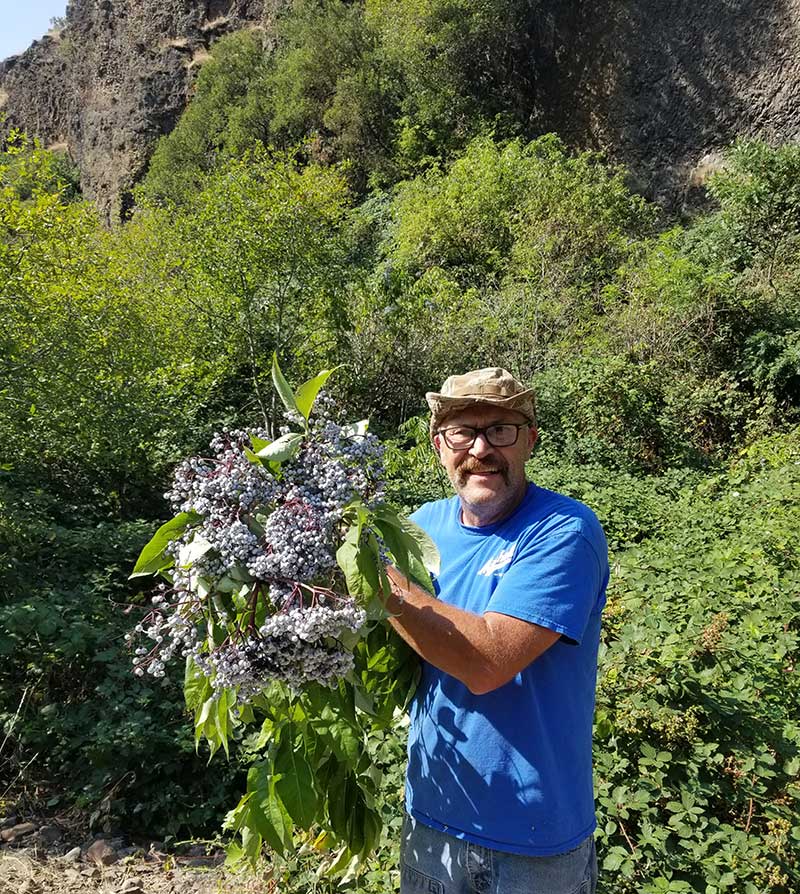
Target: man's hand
point(483, 651)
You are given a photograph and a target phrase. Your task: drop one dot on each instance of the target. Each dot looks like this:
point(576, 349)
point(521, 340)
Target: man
point(499, 786)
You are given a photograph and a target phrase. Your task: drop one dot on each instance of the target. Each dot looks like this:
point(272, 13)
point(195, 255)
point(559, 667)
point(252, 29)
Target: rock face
point(34, 90)
point(114, 80)
point(660, 85)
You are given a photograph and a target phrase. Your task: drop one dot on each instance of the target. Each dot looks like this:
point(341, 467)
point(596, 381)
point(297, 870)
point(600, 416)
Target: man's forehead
point(482, 414)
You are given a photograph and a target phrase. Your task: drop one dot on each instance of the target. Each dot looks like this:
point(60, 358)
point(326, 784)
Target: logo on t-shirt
point(499, 562)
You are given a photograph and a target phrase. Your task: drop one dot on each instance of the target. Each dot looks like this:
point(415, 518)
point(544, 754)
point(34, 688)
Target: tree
point(263, 254)
point(225, 117)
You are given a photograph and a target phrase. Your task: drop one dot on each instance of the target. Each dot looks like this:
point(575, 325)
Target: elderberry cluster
point(258, 556)
point(294, 644)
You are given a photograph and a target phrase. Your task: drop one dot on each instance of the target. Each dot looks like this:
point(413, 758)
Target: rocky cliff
point(114, 80)
point(660, 85)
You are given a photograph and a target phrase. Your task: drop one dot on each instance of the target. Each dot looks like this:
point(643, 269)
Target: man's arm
point(483, 651)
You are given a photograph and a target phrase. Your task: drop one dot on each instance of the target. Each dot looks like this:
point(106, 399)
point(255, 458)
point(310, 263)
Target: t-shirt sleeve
point(555, 581)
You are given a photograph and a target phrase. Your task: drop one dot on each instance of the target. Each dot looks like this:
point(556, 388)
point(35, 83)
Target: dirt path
point(57, 854)
point(39, 859)
point(23, 872)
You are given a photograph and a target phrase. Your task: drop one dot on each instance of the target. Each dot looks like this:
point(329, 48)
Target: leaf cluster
point(79, 730)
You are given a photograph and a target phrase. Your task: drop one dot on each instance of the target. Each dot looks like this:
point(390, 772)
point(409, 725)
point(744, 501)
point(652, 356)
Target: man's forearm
point(483, 651)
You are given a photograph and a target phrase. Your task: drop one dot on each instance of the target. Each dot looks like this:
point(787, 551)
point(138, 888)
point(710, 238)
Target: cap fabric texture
point(492, 385)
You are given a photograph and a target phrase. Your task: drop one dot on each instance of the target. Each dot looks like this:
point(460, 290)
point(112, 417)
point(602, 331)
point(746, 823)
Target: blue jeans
point(436, 863)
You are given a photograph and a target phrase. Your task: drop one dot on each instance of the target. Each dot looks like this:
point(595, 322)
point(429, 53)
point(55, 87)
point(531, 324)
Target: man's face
point(490, 481)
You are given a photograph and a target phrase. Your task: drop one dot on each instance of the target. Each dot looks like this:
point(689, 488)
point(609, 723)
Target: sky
point(23, 21)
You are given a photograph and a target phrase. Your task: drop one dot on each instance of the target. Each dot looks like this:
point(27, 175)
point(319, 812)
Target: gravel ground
point(23, 872)
point(54, 855)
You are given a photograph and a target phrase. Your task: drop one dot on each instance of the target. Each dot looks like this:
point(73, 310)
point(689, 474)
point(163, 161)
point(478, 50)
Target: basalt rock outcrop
point(663, 85)
point(659, 85)
point(114, 80)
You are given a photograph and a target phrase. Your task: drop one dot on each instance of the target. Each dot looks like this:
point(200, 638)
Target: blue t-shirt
point(512, 769)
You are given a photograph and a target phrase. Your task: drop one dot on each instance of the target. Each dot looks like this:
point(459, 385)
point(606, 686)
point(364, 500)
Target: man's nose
point(481, 447)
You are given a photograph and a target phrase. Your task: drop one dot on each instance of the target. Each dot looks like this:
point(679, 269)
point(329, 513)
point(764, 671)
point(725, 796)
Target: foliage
point(414, 474)
point(754, 238)
point(59, 347)
point(330, 88)
point(463, 66)
point(514, 209)
point(224, 119)
point(758, 191)
point(658, 356)
point(81, 729)
point(697, 743)
point(501, 257)
point(28, 169)
point(385, 86)
point(154, 328)
point(262, 254)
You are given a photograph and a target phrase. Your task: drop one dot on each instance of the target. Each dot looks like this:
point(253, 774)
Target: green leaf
point(351, 817)
point(269, 816)
point(285, 447)
point(223, 719)
point(396, 541)
point(196, 685)
point(258, 443)
point(282, 386)
point(423, 546)
point(358, 564)
point(308, 391)
point(613, 860)
point(262, 813)
point(194, 550)
point(202, 718)
point(294, 781)
point(415, 554)
point(371, 830)
point(252, 457)
point(428, 549)
point(151, 559)
point(340, 734)
point(344, 800)
point(279, 817)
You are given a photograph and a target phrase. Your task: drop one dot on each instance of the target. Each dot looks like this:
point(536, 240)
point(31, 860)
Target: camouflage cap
point(492, 385)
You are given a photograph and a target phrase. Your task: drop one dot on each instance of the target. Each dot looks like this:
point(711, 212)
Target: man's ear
point(436, 442)
point(533, 437)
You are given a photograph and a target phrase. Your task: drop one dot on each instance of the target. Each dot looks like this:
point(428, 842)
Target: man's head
point(483, 428)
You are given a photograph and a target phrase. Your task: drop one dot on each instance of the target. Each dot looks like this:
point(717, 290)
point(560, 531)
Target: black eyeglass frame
point(484, 432)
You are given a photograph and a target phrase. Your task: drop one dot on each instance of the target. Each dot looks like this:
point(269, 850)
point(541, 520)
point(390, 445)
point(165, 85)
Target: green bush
point(82, 729)
point(609, 410)
point(225, 118)
point(697, 739)
point(461, 66)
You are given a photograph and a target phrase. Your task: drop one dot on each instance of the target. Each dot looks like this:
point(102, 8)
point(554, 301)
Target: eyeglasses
point(503, 434)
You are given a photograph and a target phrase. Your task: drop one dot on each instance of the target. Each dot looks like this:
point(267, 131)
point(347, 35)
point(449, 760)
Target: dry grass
point(198, 58)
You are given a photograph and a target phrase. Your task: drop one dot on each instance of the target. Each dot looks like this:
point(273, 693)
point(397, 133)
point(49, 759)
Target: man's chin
point(483, 488)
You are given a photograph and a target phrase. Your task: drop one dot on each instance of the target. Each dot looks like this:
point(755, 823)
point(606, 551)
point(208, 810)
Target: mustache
point(472, 464)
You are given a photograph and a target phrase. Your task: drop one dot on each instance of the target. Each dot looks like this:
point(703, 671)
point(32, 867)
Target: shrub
point(697, 741)
point(89, 733)
point(225, 118)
